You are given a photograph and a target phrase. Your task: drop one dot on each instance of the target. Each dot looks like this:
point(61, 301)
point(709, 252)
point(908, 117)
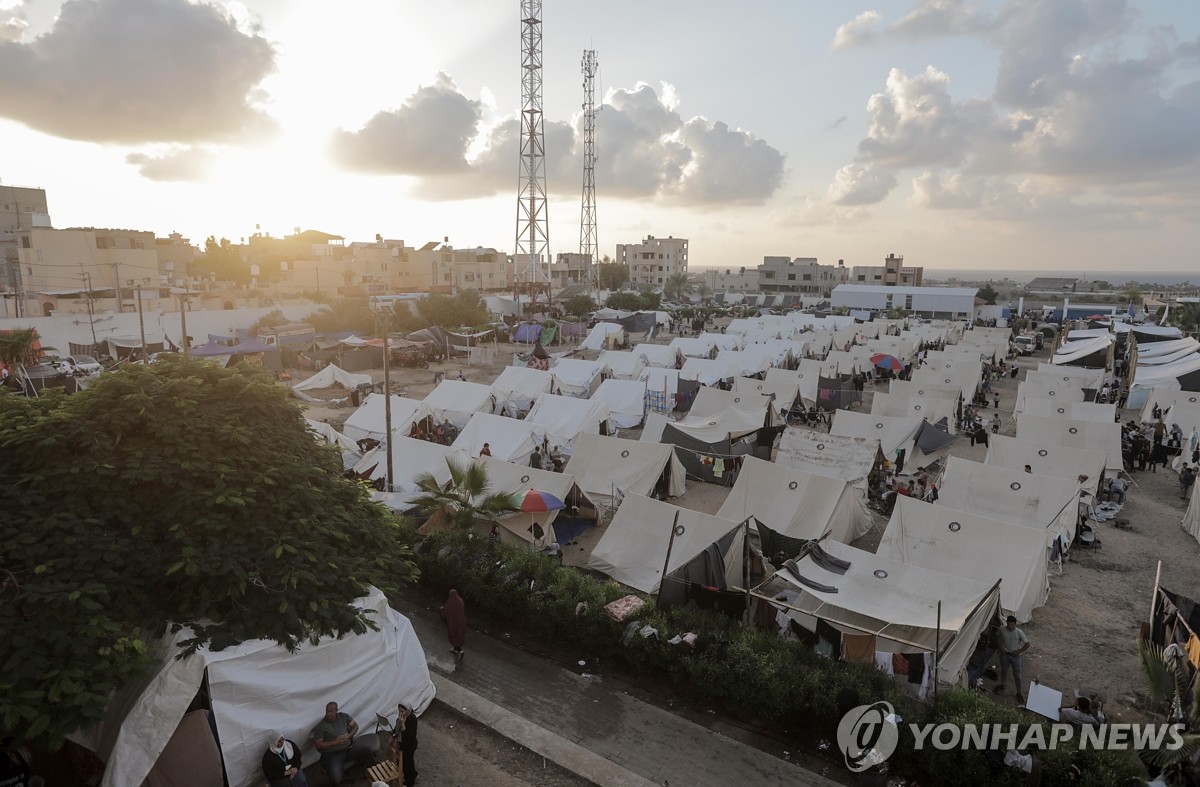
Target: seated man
point(1081, 713)
point(1116, 490)
point(334, 737)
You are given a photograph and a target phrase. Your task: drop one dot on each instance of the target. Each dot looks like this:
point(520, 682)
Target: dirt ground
point(1085, 636)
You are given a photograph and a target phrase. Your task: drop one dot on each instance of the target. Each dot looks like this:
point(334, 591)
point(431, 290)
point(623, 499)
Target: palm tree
point(1186, 316)
point(466, 499)
point(1167, 681)
point(676, 286)
point(19, 349)
point(704, 291)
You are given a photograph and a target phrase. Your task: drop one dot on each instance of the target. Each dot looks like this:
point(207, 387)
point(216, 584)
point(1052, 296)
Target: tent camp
point(1094, 353)
point(657, 378)
point(706, 372)
point(970, 546)
point(796, 503)
point(745, 363)
point(707, 443)
point(563, 418)
point(784, 387)
point(710, 401)
point(332, 375)
point(518, 386)
point(852, 459)
point(1047, 458)
point(370, 419)
point(1191, 517)
point(688, 347)
point(914, 390)
point(626, 401)
point(1102, 438)
point(965, 377)
point(1076, 411)
point(658, 355)
point(893, 433)
point(410, 458)
point(256, 687)
point(1164, 399)
point(862, 593)
point(722, 341)
point(603, 335)
point(517, 479)
point(808, 376)
point(931, 409)
point(623, 365)
point(577, 378)
point(507, 438)
point(457, 400)
point(1044, 503)
point(608, 467)
point(1061, 392)
point(634, 547)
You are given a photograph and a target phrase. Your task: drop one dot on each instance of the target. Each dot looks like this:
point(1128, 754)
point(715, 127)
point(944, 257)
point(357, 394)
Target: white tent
point(808, 376)
point(257, 687)
point(931, 409)
point(796, 503)
point(1044, 503)
point(626, 401)
point(563, 418)
point(577, 378)
point(517, 479)
point(1086, 378)
point(658, 355)
point(330, 436)
point(1103, 438)
point(1095, 353)
point(1191, 517)
point(706, 372)
point(896, 602)
point(1046, 457)
point(410, 458)
point(1063, 392)
point(370, 419)
point(608, 467)
point(892, 433)
point(328, 377)
point(517, 387)
point(659, 379)
point(689, 347)
point(914, 390)
point(849, 458)
point(725, 425)
point(970, 546)
point(624, 365)
point(710, 401)
point(722, 341)
point(966, 377)
point(457, 400)
point(507, 438)
point(1167, 375)
point(745, 363)
point(603, 335)
point(634, 547)
point(1076, 411)
point(785, 387)
point(1165, 399)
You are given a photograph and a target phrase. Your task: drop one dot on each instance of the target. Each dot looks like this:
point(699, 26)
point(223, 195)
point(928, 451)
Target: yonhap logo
point(867, 735)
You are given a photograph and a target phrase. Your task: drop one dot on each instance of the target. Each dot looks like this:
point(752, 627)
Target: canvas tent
point(626, 401)
point(710, 401)
point(634, 547)
point(808, 376)
point(893, 433)
point(707, 443)
point(1044, 503)
point(563, 418)
point(410, 458)
point(1046, 458)
point(970, 546)
point(688, 347)
point(1076, 411)
point(328, 377)
point(608, 467)
point(457, 400)
point(517, 479)
point(256, 687)
point(1094, 353)
point(706, 372)
point(896, 602)
point(659, 379)
point(784, 387)
point(1165, 399)
point(329, 436)
point(518, 386)
point(577, 378)
point(796, 503)
point(1104, 439)
point(965, 377)
point(658, 355)
point(722, 341)
point(914, 390)
point(931, 409)
point(852, 459)
point(623, 365)
point(1191, 517)
point(507, 438)
point(603, 335)
point(1062, 392)
point(370, 419)
point(745, 363)
point(1086, 378)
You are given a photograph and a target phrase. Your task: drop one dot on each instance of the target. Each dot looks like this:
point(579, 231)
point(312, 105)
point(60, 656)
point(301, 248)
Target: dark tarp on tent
point(572, 328)
point(642, 322)
point(685, 394)
point(706, 569)
point(931, 437)
point(527, 333)
point(692, 450)
point(440, 336)
point(1145, 337)
point(769, 300)
point(836, 394)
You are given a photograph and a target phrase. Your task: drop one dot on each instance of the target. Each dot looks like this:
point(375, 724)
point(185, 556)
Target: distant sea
point(1160, 278)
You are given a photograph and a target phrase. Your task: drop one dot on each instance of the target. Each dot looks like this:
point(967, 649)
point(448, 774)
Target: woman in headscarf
point(454, 612)
point(281, 763)
point(406, 733)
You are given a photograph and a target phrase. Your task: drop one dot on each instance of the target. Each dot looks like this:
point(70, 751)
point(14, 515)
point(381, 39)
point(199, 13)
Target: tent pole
point(937, 656)
point(1154, 595)
point(667, 560)
point(746, 568)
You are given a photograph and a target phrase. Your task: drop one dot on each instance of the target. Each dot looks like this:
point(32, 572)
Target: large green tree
point(449, 311)
point(677, 286)
point(612, 275)
point(579, 305)
point(224, 259)
point(169, 495)
point(466, 499)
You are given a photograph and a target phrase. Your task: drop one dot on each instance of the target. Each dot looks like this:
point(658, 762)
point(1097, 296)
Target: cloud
point(936, 18)
point(138, 71)
point(860, 30)
point(860, 184)
point(427, 135)
point(188, 163)
point(645, 150)
point(12, 21)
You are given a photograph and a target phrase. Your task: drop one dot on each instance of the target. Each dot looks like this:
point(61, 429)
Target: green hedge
point(752, 674)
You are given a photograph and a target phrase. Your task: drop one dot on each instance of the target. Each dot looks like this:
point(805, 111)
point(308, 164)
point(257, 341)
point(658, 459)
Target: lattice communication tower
point(589, 242)
point(533, 230)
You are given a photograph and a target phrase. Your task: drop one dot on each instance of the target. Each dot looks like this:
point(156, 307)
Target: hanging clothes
point(858, 648)
point(718, 467)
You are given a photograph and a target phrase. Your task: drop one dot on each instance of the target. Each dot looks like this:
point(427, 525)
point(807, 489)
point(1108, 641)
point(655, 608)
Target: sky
point(992, 135)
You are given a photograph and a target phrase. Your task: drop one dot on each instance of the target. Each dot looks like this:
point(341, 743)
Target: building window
point(808, 277)
point(791, 277)
point(862, 277)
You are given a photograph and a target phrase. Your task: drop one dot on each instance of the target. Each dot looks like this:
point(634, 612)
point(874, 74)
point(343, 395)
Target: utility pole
point(117, 286)
point(141, 322)
point(183, 304)
point(387, 390)
point(87, 279)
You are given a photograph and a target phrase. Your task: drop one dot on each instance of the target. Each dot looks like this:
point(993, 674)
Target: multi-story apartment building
point(803, 275)
point(569, 268)
point(893, 273)
point(654, 260)
point(730, 280)
point(21, 209)
point(176, 258)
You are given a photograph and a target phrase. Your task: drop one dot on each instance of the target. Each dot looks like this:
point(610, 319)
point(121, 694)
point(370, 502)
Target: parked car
point(1025, 344)
point(84, 363)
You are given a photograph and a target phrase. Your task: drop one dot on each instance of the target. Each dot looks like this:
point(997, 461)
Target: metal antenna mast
point(533, 225)
point(589, 242)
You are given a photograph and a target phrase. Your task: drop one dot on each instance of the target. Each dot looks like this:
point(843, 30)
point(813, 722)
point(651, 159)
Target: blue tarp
point(528, 332)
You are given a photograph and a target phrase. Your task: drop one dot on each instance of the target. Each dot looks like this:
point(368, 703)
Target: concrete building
point(21, 209)
point(936, 302)
point(803, 275)
point(653, 260)
point(731, 280)
point(570, 268)
point(176, 258)
point(893, 273)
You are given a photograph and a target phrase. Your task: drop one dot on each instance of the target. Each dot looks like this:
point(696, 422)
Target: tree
point(271, 319)
point(467, 499)
point(169, 495)
point(649, 301)
point(677, 286)
point(579, 305)
point(988, 293)
point(612, 275)
point(630, 301)
point(1132, 293)
point(1186, 316)
point(1169, 684)
point(20, 347)
point(450, 311)
point(345, 314)
point(704, 291)
point(223, 259)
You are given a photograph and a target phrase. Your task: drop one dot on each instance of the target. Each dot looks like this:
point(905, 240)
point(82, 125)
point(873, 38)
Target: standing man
point(334, 737)
point(1013, 643)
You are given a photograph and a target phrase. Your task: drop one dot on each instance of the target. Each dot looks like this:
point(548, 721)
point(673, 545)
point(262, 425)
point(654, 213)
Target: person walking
point(406, 733)
point(1013, 643)
point(454, 612)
